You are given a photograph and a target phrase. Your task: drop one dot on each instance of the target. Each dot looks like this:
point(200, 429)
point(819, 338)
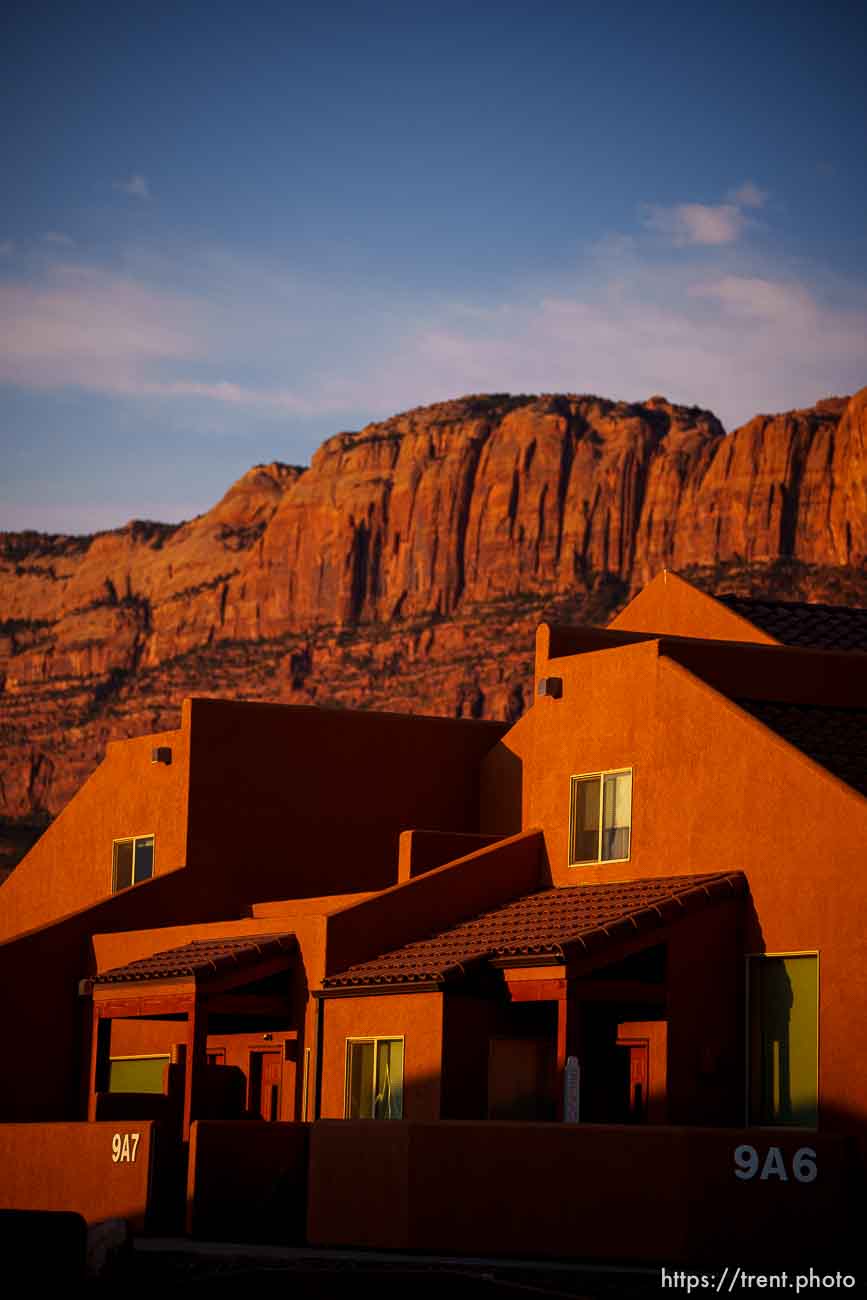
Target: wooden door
point(265, 1078)
point(645, 1041)
point(639, 1080)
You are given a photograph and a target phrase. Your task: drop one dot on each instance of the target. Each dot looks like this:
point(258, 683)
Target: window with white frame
point(132, 861)
point(374, 1078)
point(600, 817)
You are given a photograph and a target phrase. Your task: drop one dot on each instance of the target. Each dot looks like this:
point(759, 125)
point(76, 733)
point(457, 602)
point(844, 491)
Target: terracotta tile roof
point(539, 924)
point(200, 957)
point(813, 627)
point(834, 737)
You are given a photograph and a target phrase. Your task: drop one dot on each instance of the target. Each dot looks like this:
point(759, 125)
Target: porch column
point(100, 1052)
point(197, 1041)
point(562, 1052)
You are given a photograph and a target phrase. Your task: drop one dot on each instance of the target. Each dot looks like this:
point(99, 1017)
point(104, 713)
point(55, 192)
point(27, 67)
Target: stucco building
point(626, 930)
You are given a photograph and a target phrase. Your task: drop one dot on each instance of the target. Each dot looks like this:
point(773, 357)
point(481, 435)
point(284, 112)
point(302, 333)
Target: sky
point(229, 231)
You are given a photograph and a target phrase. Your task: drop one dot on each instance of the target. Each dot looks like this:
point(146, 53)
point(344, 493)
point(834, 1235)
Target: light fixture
point(551, 686)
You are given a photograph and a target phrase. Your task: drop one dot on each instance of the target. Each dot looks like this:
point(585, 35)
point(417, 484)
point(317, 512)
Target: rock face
point(407, 567)
point(493, 497)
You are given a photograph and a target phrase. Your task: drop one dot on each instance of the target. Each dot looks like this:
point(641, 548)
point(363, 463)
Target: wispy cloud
point(7, 248)
point(56, 237)
point(241, 395)
point(108, 333)
point(222, 342)
point(88, 328)
point(749, 195)
point(136, 186)
point(736, 345)
point(705, 223)
point(760, 299)
point(696, 223)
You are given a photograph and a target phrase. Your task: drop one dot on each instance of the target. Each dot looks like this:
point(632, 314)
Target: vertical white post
point(572, 1091)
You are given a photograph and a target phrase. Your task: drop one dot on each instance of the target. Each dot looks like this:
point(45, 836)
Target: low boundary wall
point(247, 1181)
point(594, 1192)
point(100, 1171)
point(760, 1198)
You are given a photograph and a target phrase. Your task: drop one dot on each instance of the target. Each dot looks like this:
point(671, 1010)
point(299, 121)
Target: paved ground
point(320, 1275)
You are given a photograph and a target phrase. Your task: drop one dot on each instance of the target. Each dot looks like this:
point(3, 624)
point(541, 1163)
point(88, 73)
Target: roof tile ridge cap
point(704, 884)
point(670, 896)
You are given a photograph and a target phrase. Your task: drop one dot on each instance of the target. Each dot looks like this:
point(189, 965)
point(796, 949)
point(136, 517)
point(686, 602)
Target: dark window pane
point(144, 858)
point(585, 813)
point(123, 864)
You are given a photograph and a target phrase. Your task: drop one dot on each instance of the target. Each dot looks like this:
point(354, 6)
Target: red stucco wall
point(436, 899)
point(294, 802)
point(247, 1181)
point(593, 1192)
point(70, 1167)
point(70, 866)
point(715, 790)
point(417, 1017)
point(259, 802)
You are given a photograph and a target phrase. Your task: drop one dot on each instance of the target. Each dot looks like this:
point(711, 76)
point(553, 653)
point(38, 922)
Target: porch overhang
point(192, 983)
point(552, 934)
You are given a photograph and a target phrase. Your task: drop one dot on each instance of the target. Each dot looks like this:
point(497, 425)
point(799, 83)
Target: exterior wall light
point(551, 686)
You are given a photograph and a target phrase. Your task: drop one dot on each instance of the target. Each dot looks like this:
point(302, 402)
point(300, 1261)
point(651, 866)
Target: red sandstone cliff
point(407, 566)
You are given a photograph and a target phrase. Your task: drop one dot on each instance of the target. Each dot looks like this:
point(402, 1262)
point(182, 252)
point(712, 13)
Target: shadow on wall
point(592, 1192)
point(247, 1181)
point(501, 791)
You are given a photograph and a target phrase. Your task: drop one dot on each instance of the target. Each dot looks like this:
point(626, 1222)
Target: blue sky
point(231, 230)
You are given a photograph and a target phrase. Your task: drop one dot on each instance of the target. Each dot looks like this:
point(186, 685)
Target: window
point(783, 1040)
point(374, 1078)
point(132, 861)
point(600, 817)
